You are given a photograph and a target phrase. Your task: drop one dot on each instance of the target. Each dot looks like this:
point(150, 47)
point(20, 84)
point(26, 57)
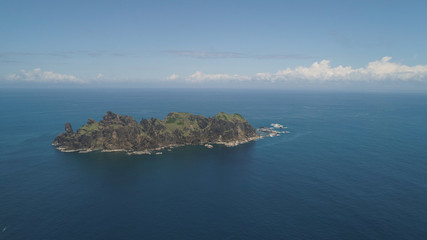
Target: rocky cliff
point(124, 133)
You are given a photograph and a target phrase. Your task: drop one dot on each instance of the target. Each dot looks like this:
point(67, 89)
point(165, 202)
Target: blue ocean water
point(353, 167)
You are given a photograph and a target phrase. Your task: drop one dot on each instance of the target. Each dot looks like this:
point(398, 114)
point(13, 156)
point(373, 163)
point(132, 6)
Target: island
point(123, 133)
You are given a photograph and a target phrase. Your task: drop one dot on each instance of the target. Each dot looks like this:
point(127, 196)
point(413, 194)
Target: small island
point(123, 133)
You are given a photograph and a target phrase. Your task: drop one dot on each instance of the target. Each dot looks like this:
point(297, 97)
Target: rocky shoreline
point(115, 133)
point(169, 147)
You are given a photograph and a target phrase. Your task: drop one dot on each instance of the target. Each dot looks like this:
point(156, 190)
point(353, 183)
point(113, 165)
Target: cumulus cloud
point(380, 70)
point(37, 75)
point(173, 77)
point(202, 77)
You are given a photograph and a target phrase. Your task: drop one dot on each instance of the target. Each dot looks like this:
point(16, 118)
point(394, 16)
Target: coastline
point(170, 146)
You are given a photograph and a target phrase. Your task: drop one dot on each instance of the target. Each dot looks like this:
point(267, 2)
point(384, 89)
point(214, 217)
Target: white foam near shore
point(169, 147)
point(276, 125)
point(271, 131)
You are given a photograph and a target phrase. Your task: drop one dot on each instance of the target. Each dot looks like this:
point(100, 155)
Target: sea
point(353, 166)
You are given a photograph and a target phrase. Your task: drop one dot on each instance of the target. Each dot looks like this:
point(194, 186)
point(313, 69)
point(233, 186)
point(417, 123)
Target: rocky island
point(124, 133)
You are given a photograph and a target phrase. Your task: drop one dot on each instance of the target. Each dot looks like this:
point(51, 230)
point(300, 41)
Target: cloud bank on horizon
point(380, 70)
point(39, 76)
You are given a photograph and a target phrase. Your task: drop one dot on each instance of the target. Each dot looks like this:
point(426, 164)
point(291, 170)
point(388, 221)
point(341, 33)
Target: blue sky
point(212, 43)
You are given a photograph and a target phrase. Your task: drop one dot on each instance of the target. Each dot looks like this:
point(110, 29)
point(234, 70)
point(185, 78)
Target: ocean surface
point(354, 166)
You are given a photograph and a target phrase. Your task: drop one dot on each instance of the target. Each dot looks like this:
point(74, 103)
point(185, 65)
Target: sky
point(253, 44)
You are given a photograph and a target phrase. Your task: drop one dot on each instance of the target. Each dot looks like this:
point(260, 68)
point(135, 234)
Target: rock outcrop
point(124, 133)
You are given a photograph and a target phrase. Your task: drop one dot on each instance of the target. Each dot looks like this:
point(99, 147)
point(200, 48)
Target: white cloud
point(202, 77)
point(37, 75)
point(380, 70)
point(173, 77)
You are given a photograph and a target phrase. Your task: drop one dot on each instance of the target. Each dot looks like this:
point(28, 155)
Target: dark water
point(353, 167)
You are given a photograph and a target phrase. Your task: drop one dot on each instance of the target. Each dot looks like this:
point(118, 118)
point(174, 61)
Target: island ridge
point(124, 133)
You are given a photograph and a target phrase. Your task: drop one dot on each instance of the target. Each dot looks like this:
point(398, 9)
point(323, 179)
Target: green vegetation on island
point(124, 133)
